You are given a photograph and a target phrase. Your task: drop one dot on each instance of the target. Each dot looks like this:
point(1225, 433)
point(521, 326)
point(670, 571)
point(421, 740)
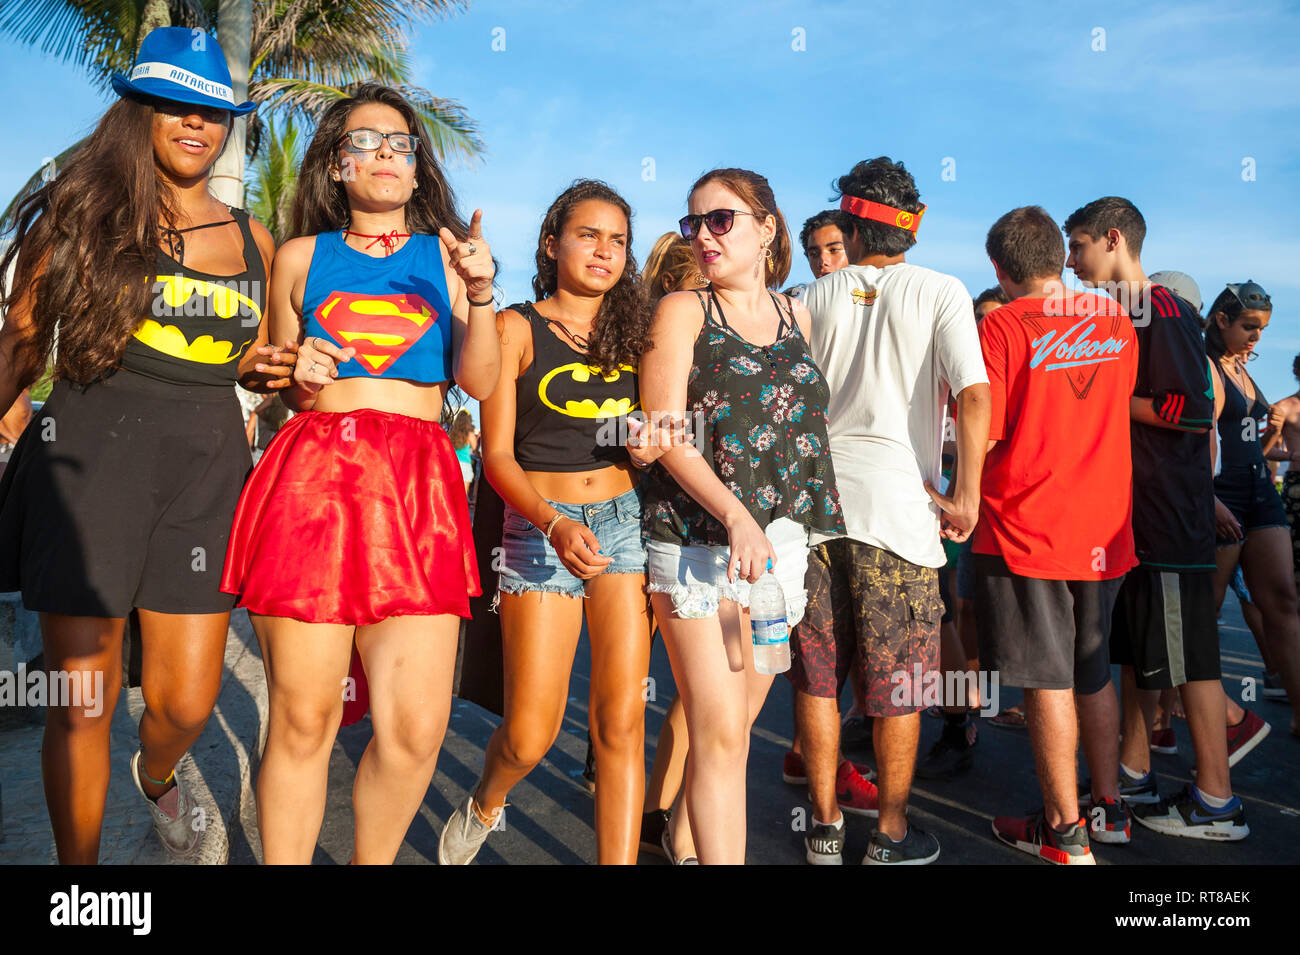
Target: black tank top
point(201, 323)
point(1241, 430)
point(568, 416)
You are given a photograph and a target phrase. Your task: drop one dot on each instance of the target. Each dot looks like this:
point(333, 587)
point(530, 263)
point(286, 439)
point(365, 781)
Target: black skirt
point(120, 494)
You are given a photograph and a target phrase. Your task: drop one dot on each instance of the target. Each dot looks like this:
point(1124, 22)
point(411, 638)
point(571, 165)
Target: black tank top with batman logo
point(200, 325)
point(567, 414)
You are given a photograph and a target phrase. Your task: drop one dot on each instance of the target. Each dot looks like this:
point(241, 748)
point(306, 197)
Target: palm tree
point(274, 177)
point(304, 55)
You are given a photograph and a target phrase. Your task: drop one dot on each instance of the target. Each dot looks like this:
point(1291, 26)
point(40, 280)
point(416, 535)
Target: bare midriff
point(584, 487)
point(413, 399)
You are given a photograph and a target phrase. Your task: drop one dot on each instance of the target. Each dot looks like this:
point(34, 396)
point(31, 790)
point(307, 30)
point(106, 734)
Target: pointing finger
point(476, 225)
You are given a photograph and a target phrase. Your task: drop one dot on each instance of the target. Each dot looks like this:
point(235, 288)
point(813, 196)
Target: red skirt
point(351, 518)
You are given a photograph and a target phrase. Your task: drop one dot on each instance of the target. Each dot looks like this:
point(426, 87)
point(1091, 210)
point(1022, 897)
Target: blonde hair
point(671, 257)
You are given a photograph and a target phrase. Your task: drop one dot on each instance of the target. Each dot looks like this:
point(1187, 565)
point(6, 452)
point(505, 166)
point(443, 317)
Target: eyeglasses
point(719, 222)
point(1251, 295)
point(370, 139)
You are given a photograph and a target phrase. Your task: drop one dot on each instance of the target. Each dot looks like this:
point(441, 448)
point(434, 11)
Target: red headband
point(879, 212)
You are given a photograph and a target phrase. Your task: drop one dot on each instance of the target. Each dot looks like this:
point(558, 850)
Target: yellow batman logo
point(176, 290)
point(581, 372)
point(170, 340)
point(174, 293)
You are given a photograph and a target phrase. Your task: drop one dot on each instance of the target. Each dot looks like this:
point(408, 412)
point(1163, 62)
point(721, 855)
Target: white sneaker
point(465, 834)
point(177, 834)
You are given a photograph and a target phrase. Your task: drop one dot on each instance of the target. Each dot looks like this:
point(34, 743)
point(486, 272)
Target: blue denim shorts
point(695, 576)
point(530, 563)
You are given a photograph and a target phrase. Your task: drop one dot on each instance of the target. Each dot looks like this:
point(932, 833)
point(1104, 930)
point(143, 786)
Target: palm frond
point(452, 133)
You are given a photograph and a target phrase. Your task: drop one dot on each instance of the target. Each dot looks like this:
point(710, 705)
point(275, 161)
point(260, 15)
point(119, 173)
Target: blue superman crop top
point(393, 309)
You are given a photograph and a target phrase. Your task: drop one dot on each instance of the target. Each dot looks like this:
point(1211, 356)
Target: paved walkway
point(550, 819)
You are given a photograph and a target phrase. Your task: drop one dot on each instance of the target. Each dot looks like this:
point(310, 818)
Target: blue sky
point(1011, 99)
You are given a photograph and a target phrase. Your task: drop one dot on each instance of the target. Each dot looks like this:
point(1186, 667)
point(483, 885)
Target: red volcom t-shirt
point(1058, 486)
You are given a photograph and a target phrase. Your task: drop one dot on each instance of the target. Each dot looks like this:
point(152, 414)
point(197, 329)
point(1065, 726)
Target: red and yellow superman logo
point(380, 327)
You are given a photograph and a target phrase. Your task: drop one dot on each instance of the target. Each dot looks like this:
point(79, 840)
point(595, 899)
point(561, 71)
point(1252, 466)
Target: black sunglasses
point(370, 139)
point(719, 222)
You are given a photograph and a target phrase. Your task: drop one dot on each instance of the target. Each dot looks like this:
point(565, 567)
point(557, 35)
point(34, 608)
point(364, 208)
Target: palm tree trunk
point(234, 31)
point(154, 15)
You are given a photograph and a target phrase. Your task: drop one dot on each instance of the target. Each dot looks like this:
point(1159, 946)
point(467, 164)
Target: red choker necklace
point(387, 239)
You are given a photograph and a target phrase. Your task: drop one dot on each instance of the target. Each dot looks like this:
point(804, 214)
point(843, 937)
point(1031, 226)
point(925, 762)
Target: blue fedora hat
point(183, 65)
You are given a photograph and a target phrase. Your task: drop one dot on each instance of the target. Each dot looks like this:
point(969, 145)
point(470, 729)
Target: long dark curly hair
point(321, 203)
point(85, 249)
point(620, 332)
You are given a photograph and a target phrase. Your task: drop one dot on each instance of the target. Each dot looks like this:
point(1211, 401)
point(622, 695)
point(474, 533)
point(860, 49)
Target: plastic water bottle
point(767, 620)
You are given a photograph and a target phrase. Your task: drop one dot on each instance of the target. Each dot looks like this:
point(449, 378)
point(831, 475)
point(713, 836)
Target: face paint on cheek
point(410, 159)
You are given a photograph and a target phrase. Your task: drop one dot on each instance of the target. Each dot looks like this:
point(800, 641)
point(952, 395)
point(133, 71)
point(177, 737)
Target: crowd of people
point(1038, 483)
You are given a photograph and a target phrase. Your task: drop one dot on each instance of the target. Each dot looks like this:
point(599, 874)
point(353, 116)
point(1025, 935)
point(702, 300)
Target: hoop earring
point(769, 259)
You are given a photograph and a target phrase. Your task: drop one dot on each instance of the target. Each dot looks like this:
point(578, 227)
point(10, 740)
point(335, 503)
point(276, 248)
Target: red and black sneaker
point(794, 773)
point(1245, 736)
point(1108, 822)
point(855, 793)
point(1032, 834)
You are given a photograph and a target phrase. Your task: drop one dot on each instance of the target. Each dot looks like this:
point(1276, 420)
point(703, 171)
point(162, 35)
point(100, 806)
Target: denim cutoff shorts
point(695, 576)
point(530, 563)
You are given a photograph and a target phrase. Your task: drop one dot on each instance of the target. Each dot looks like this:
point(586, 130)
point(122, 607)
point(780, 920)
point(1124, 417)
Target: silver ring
point(313, 367)
point(472, 248)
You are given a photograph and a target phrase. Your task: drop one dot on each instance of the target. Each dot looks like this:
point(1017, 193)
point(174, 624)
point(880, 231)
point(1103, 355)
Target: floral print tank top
point(761, 412)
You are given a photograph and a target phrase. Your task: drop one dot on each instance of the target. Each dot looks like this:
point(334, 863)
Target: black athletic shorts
point(120, 494)
point(1043, 634)
point(1166, 629)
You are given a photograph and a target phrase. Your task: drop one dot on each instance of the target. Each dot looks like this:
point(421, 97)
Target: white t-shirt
point(892, 343)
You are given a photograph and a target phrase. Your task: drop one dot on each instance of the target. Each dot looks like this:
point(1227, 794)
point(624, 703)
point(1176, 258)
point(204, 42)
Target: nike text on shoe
point(824, 845)
point(1033, 835)
point(176, 832)
point(1186, 815)
point(917, 848)
point(465, 834)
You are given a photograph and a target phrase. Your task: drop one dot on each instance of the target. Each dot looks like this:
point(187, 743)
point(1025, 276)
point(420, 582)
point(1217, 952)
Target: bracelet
point(551, 526)
point(480, 304)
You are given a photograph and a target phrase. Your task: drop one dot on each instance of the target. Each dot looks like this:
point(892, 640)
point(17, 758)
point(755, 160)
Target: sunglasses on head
point(719, 222)
point(1251, 295)
point(370, 139)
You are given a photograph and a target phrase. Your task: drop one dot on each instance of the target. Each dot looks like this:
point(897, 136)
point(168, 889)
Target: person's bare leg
point(1138, 717)
point(1255, 624)
point(1226, 558)
point(895, 739)
point(1099, 731)
point(182, 660)
point(306, 667)
point(1053, 734)
point(539, 639)
point(1163, 715)
point(670, 760)
point(710, 675)
point(820, 719)
point(1266, 562)
point(1204, 702)
point(409, 663)
point(619, 628)
point(75, 747)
